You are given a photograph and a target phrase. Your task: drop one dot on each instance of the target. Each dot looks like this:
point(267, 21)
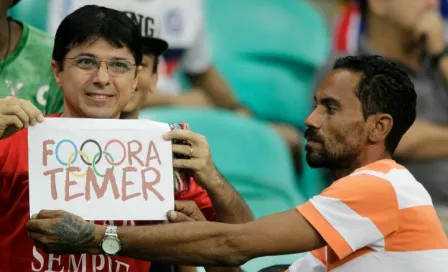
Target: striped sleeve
point(355, 212)
point(314, 261)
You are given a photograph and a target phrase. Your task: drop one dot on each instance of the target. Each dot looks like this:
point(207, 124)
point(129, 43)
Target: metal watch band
point(111, 231)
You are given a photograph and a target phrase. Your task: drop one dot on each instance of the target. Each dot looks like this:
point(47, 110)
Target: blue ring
point(74, 147)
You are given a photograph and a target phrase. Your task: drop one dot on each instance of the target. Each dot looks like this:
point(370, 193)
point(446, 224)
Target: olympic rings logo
point(73, 157)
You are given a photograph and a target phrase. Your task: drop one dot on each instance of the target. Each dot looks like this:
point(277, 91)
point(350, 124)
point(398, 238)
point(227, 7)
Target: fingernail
point(40, 118)
point(172, 215)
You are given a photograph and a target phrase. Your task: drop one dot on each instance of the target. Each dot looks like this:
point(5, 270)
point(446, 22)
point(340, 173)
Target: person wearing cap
point(152, 49)
point(25, 72)
point(97, 79)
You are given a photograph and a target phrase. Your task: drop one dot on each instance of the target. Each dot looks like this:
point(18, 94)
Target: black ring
point(99, 148)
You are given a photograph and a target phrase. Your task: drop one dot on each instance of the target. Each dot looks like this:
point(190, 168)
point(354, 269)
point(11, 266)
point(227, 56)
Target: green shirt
point(27, 74)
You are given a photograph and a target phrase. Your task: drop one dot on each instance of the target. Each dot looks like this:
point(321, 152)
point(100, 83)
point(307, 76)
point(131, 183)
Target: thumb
point(176, 217)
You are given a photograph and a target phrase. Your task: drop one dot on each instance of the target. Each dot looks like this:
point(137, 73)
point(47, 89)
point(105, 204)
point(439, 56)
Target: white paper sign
point(101, 169)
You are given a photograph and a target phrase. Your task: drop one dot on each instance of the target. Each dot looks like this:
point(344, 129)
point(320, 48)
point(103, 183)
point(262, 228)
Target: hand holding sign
point(16, 114)
point(60, 232)
point(198, 155)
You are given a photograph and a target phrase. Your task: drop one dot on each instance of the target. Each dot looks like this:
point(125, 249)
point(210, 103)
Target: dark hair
point(92, 22)
point(275, 268)
point(383, 88)
point(146, 50)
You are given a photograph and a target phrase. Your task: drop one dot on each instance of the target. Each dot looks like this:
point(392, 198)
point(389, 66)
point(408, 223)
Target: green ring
point(94, 164)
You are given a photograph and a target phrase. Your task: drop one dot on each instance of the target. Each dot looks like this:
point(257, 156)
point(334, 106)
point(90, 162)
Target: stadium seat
point(268, 51)
point(33, 12)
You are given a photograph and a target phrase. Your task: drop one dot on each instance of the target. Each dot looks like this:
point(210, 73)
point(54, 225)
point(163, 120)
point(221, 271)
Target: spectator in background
point(25, 70)
point(181, 24)
point(415, 39)
point(81, 48)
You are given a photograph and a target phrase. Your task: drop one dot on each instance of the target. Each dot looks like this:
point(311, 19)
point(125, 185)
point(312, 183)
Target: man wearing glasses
point(97, 63)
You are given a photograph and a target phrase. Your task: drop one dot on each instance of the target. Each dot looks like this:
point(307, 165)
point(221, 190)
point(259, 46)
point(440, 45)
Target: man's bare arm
point(216, 88)
point(229, 206)
point(195, 243)
point(206, 243)
point(424, 141)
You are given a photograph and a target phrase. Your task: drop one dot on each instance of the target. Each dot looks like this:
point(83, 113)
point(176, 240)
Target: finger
point(40, 241)
point(12, 120)
point(187, 135)
point(39, 225)
point(49, 214)
point(36, 236)
point(185, 206)
point(177, 217)
point(15, 110)
point(31, 110)
point(181, 149)
point(190, 209)
point(187, 150)
point(193, 164)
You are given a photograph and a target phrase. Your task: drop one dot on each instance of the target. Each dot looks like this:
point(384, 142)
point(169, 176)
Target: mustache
point(312, 135)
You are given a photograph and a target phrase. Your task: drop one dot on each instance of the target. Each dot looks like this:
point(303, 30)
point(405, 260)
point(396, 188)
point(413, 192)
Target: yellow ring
point(70, 159)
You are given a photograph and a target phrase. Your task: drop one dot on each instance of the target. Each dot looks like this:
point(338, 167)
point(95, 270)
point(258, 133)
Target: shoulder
point(39, 39)
point(368, 184)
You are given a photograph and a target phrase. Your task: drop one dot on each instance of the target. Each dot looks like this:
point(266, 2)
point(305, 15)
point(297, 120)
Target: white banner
point(101, 169)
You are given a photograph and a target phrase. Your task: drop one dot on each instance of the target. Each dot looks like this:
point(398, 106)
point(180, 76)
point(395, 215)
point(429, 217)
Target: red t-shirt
point(17, 252)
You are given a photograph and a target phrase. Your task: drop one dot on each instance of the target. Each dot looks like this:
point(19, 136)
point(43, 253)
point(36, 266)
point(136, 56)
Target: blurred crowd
point(244, 72)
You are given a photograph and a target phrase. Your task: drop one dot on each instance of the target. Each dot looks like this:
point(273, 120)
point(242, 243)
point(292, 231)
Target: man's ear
point(137, 74)
point(56, 68)
point(381, 125)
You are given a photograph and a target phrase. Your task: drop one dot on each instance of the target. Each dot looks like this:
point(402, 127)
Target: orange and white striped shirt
point(379, 218)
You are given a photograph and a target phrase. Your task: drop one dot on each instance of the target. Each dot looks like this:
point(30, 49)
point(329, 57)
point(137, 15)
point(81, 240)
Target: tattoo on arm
point(75, 234)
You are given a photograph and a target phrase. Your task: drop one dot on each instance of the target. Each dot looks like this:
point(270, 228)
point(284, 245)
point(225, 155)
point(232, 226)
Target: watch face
point(111, 245)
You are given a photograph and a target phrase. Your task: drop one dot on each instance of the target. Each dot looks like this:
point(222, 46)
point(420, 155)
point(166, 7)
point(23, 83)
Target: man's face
point(404, 13)
point(147, 81)
point(336, 127)
point(93, 92)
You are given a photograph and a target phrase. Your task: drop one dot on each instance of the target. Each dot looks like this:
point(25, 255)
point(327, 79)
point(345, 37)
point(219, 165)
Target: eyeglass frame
point(98, 66)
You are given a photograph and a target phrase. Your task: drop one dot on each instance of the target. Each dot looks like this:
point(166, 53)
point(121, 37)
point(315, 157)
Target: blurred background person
point(25, 51)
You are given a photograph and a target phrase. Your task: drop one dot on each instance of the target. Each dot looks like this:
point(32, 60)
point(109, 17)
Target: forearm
point(203, 244)
point(424, 141)
point(158, 99)
point(215, 87)
point(229, 206)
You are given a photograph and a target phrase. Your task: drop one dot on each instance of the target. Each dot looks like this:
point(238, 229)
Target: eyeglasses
point(114, 67)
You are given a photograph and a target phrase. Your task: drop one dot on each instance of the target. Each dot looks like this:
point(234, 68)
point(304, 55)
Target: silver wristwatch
point(111, 244)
